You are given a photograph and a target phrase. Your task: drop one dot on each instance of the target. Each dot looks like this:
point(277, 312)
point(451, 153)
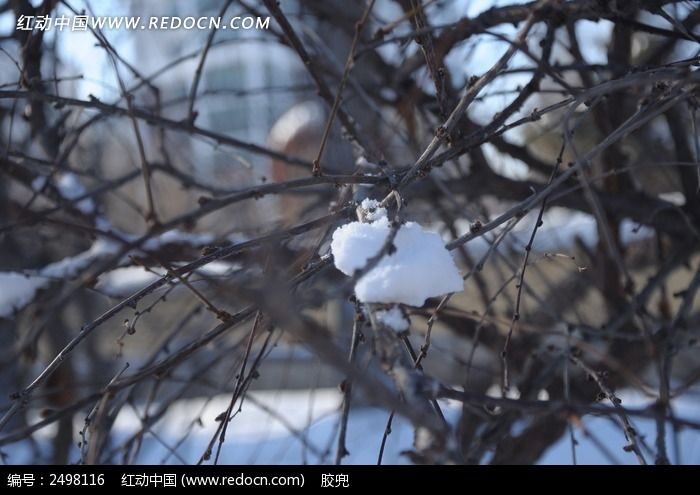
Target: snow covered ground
point(294, 427)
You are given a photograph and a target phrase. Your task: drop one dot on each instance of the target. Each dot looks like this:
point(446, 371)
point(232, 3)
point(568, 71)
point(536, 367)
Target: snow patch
point(420, 268)
point(17, 290)
point(177, 237)
point(496, 392)
point(70, 188)
point(372, 210)
point(219, 269)
point(424, 439)
point(122, 282)
point(365, 163)
point(675, 197)
point(393, 318)
point(125, 281)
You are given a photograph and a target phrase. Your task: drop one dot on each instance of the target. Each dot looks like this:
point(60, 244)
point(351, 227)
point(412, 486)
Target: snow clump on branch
point(419, 268)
